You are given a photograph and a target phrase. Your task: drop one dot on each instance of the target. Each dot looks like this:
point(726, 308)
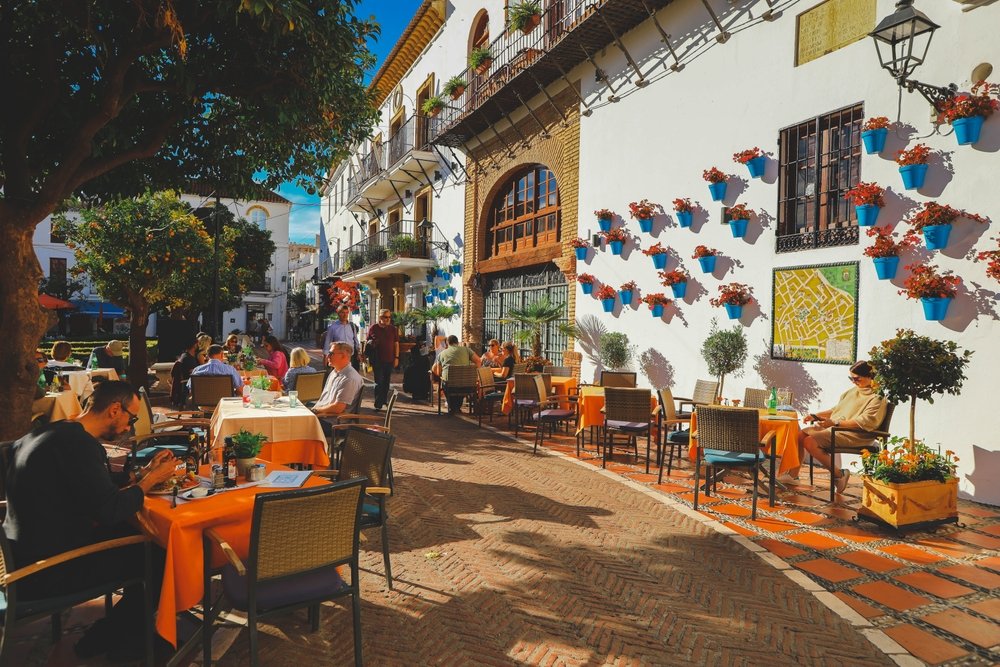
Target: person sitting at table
point(277, 357)
point(859, 407)
point(109, 356)
point(60, 357)
point(204, 342)
point(493, 354)
point(342, 387)
point(216, 366)
point(455, 355)
point(180, 373)
point(232, 344)
point(41, 386)
point(416, 380)
point(506, 366)
point(61, 496)
point(299, 366)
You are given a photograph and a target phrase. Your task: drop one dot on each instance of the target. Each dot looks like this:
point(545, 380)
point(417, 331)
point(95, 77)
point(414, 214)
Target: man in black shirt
point(61, 496)
point(109, 356)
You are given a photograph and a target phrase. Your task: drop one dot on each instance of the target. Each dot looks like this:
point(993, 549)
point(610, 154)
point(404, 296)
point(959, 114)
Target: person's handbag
point(371, 353)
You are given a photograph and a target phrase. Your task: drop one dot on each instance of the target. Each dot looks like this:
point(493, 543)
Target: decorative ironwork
point(504, 291)
point(826, 238)
point(390, 242)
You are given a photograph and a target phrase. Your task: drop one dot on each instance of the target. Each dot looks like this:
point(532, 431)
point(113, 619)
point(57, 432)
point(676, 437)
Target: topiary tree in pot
point(911, 367)
point(725, 352)
point(614, 351)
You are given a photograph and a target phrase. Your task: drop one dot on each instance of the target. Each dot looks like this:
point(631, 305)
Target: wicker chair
point(490, 393)
point(298, 539)
point(670, 436)
point(879, 435)
point(559, 371)
point(208, 390)
point(755, 398)
point(706, 392)
point(462, 381)
point(549, 411)
point(338, 425)
point(172, 434)
point(525, 399)
point(623, 379)
point(309, 386)
point(626, 412)
point(729, 438)
point(519, 369)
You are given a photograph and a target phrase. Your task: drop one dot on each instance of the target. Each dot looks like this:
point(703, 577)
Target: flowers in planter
point(754, 159)
point(432, 106)
point(676, 280)
point(886, 250)
point(739, 216)
point(480, 59)
point(643, 211)
point(604, 218)
point(874, 133)
point(616, 238)
point(580, 247)
point(733, 297)
point(683, 211)
point(935, 221)
point(586, 282)
point(627, 291)
point(656, 299)
point(659, 255)
point(992, 257)
point(935, 291)
point(607, 296)
point(868, 199)
point(716, 183)
point(704, 251)
point(913, 165)
point(966, 112)
point(899, 463)
point(876, 123)
point(455, 86)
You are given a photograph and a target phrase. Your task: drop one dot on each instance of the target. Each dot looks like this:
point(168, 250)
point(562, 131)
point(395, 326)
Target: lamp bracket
point(933, 94)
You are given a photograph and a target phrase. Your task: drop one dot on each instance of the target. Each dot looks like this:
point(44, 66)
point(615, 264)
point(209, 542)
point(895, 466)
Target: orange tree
point(133, 250)
point(108, 98)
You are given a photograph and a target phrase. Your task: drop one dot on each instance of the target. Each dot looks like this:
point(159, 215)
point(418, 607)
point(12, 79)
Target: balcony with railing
point(570, 31)
point(401, 247)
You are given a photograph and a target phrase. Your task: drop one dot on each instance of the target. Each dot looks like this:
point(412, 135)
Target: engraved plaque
point(832, 25)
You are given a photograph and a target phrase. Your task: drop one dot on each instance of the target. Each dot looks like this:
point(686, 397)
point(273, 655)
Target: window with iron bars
point(819, 161)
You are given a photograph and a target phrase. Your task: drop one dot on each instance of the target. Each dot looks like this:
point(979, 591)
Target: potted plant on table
point(580, 248)
point(432, 106)
point(886, 250)
point(525, 16)
point(754, 159)
point(739, 218)
point(868, 200)
point(627, 292)
point(725, 352)
point(935, 291)
point(716, 183)
point(676, 280)
point(874, 133)
point(683, 211)
point(656, 301)
point(910, 484)
point(733, 297)
point(480, 59)
point(616, 238)
point(455, 86)
point(246, 447)
point(913, 166)
point(607, 296)
point(935, 220)
point(967, 112)
point(659, 255)
point(604, 218)
point(586, 281)
point(644, 211)
point(706, 257)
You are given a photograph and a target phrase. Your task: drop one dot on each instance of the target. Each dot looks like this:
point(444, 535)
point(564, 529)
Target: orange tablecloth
point(278, 423)
point(591, 404)
point(786, 438)
point(179, 531)
point(562, 385)
point(309, 452)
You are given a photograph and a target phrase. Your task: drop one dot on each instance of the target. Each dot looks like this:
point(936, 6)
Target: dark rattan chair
point(549, 411)
point(706, 392)
point(622, 379)
point(755, 398)
point(208, 390)
point(879, 436)
point(670, 436)
point(309, 386)
point(525, 399)
point(490, 393)
point(462, 381)
point(519, 369)
point(559, 371)
point(626, 412)
point(729, 438)
point(298, 539)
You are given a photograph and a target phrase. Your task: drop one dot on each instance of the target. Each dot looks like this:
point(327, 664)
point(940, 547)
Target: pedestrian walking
point(382, 350)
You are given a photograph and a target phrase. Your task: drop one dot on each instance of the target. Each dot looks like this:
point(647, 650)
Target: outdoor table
point(275, 382)
point(80, 381)
point(57, 406)
point(308, 452)
point(278, 422)
point(786, 437)
point(179, 531)
point(562, 385)
point(591, 406)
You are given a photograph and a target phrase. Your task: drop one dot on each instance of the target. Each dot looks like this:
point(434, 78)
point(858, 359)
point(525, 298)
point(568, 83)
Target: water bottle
point(246, 396)
point(772, 403)
point(93, 361)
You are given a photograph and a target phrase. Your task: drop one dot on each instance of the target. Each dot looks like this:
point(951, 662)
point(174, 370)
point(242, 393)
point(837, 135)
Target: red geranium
point(735, 294)
point(604, 213)
point(713, 175)
point(703, 251)
point(980, 102)
point(585, 278)
point(655, 249)
point(580, 243)
point(885, 244)
point(939, 214)
point(656, 299)
point(866, 194)
point(925, 282)
point(683, 205)
point(739, 212)
point(876, 123)
point(992, 257)
point(615, 234)
point(745, 156)
point(916, 155)
point(630, 286)
point(644, 209)
point(668, 278)
point(606, 292)
point(346, 293)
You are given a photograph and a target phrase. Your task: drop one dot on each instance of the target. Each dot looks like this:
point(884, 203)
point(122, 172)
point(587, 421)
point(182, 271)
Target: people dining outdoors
point(263, 330)
point(859, 407)
point(180, 373)
point(299, 366)
point(455, 355)
point(204, 342)
point(382, 349)
point(344, 331)
point(509, 357)
point(108, 356)
point(232, 345)
point(216, 366)
point(61, 496)
point(60, 357)
point(276, 362)
point(341, 388)
point(493, 354)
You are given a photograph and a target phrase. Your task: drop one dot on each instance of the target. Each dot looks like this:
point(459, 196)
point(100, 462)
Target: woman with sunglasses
point(859, 407)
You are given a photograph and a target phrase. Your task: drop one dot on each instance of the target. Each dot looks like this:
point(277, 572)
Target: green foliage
point(62, 287)
point(453, 84)
point(434, 314)
point(520, 14)
point(248, 360)
point(614, 350)
point(355, 260)
point(404, 244)
point(725, 352)
point(533, 318)
point(406, 318)
point(898, 463)
point(297, 300)
point(261, 382)
point(375, 254)
point(478, 56)
point(247, 445)
point(432, 105)
point(912, 367)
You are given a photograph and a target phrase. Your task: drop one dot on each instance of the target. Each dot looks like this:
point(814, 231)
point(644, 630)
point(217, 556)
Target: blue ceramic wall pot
point(581, 253)
point(717, 190)
point(434, 291)
point(608, 305)
point(456, 269)
point(756, 166)
point(446, 275)
point(626, 295)
point(616, 247)
point(660, 261)
point(967, 129)
point(679, 289)
point(684, 218)
point(658, 310)
point(646, 225)
point(588, 288)
point(936, 236)
point(605, 224)
point(734, 312)
point(428, 299)
point(885, 267)
point(867, 214)
point(738, 227)
point(450, 292)
point(935, 308)
point(913, 175)
point(874, 140)
point(707, 263)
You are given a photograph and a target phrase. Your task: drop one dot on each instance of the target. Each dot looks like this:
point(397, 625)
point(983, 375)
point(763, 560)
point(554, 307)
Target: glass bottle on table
point(772, 402)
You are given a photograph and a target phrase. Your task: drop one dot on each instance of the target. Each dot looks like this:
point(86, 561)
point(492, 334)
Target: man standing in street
point(383, 341)
point(344, 331)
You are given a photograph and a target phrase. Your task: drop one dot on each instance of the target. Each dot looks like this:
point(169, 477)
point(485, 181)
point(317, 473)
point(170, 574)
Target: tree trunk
point(536, 345)
point(722, 383)
point(913, 421)
point(22, 323)
point(137, 366)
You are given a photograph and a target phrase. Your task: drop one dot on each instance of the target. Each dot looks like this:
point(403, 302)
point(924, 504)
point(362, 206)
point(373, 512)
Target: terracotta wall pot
point(532, 23)
point(911, 503)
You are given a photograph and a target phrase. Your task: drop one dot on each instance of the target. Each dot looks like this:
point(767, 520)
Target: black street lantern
point(901, 41)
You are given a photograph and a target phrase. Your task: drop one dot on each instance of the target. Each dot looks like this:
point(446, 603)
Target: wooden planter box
point(911, 504)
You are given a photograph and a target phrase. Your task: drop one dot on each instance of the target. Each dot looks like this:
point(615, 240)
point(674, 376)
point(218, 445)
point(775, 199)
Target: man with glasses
point(62, 496)
point(383, 340)
point(344, 331)
point(342, 387)
point(859, 407)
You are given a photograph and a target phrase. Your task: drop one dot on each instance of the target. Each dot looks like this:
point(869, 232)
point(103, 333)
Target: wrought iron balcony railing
point(401, 239)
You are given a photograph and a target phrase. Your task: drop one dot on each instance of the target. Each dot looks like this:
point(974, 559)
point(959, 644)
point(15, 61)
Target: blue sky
point(393, 16)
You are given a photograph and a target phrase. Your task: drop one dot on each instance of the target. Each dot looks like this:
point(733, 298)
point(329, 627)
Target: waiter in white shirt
point(344, 331)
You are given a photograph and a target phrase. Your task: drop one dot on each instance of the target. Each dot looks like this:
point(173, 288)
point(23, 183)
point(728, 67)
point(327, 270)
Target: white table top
point(278, 422)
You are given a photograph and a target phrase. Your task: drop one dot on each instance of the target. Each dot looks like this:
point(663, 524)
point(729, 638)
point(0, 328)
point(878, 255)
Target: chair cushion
point(44, 605)
point(557, 413)
point(270, 594)
point(526, 402)
point(683, 414)
point(679, 437)
point(371, 515)
point(631, 427)
point(143, 456)
point(493, 395)
point(715, 456)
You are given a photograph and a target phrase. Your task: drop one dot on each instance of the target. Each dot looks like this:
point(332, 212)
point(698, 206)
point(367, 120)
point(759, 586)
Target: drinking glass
point(784, 396)
point(293, 399)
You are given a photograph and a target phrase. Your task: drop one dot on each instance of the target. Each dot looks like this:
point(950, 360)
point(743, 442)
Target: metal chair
point(706, 392)
point(670, 436)
point(490, 392)
point(549, 412)
point(298, 539)
point(879, 434)
point(626, 412)
point(208, 390)
point(729, 438)
point(618, 379)
point(309, 386)
point(462, 381)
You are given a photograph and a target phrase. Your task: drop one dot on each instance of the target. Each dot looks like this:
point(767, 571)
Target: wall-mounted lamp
point(427, 227)
point(407, 194)
point(595, 239)
point(901, 41)
point(437, 175)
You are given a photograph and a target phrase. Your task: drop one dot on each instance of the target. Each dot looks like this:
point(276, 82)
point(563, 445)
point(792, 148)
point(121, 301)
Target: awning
point(54, 303)
point(99, 309)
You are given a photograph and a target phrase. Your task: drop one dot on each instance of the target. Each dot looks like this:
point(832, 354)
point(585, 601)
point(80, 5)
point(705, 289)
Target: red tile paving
point(993, 562)
point(989, 608)
point(912, 553)
point(804, 517)
point(852, 533)
point(891, 596)
point(816, 540)
point(829, 570)
point(869, 561)
point(860, 606)
point(973, 575)
point(976, 630)
point(972, 537)
point(924, 645)
point(731, 510)
point(771, 525)
point(780, 549)
point(933, 584)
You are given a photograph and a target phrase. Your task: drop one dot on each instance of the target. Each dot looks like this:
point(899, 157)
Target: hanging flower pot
point(608, 305)
point(588, 288)
point(646, 225)
point(616, 247)
point(446, 275)
point(867, 214)
point(913, 175)
point(626, 296)
point(659, 261)
point(581, 253)
point(734, 312)
point(756, 166)
point(435, 291)
point(644, 211)
point(608, 296)
point(967, 129)
point(428, 299)
point(604, 224)
point(456, 269)
point(439, 272)
point(874, 140)
point(738, 227)
point(936, 236)
point(707, 264)
point(935, 308)
point(716, 182)
point(679, 290)
point(657, 310)
point(885, 267)
point(684, 218)
point(450, 291)
point(717, 190)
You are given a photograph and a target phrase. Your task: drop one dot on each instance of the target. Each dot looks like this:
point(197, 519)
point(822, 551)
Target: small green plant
point(376, 254)
point(524, 15)
point(355, 260)
point(246, 445)
point(533, 319)
point(248, 360)
point(725, 352)
point(261, 382)
point(404, 245)
point(480, 57)
point(432, 106)
point(455, 86)
point(615, 351)
point(434, 314)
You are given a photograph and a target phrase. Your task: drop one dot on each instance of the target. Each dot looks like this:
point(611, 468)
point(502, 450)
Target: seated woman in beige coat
point(859, 407)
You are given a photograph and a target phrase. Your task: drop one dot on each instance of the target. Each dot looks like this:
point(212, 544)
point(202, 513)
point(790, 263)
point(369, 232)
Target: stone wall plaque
point(832, 25)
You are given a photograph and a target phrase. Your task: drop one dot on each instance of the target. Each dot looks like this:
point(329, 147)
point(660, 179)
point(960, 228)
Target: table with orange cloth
point(179, 531)
point(562, 385)
point(591, 406)
point(786, 437)
point(279, 422)
point(57, 406)
point(309, 452)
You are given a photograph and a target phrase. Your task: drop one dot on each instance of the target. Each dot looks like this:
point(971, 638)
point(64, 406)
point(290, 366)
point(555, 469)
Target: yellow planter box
point(902, 505)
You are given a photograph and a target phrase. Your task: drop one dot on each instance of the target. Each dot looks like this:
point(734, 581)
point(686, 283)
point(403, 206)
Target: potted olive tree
point(246, 447)
point(725, 352)
point(615, 351)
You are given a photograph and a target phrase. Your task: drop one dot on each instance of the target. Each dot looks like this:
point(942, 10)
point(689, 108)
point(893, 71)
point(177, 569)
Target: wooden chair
point(462, 381)
point(706, 392)
point(622, 379)
point(626, 412)
point(879, 435)
point(729, 438)
point(309, 386)
point(298, 538)
point(549, 411)
point(755, 398)
point(208, 390)
point(670, 436)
